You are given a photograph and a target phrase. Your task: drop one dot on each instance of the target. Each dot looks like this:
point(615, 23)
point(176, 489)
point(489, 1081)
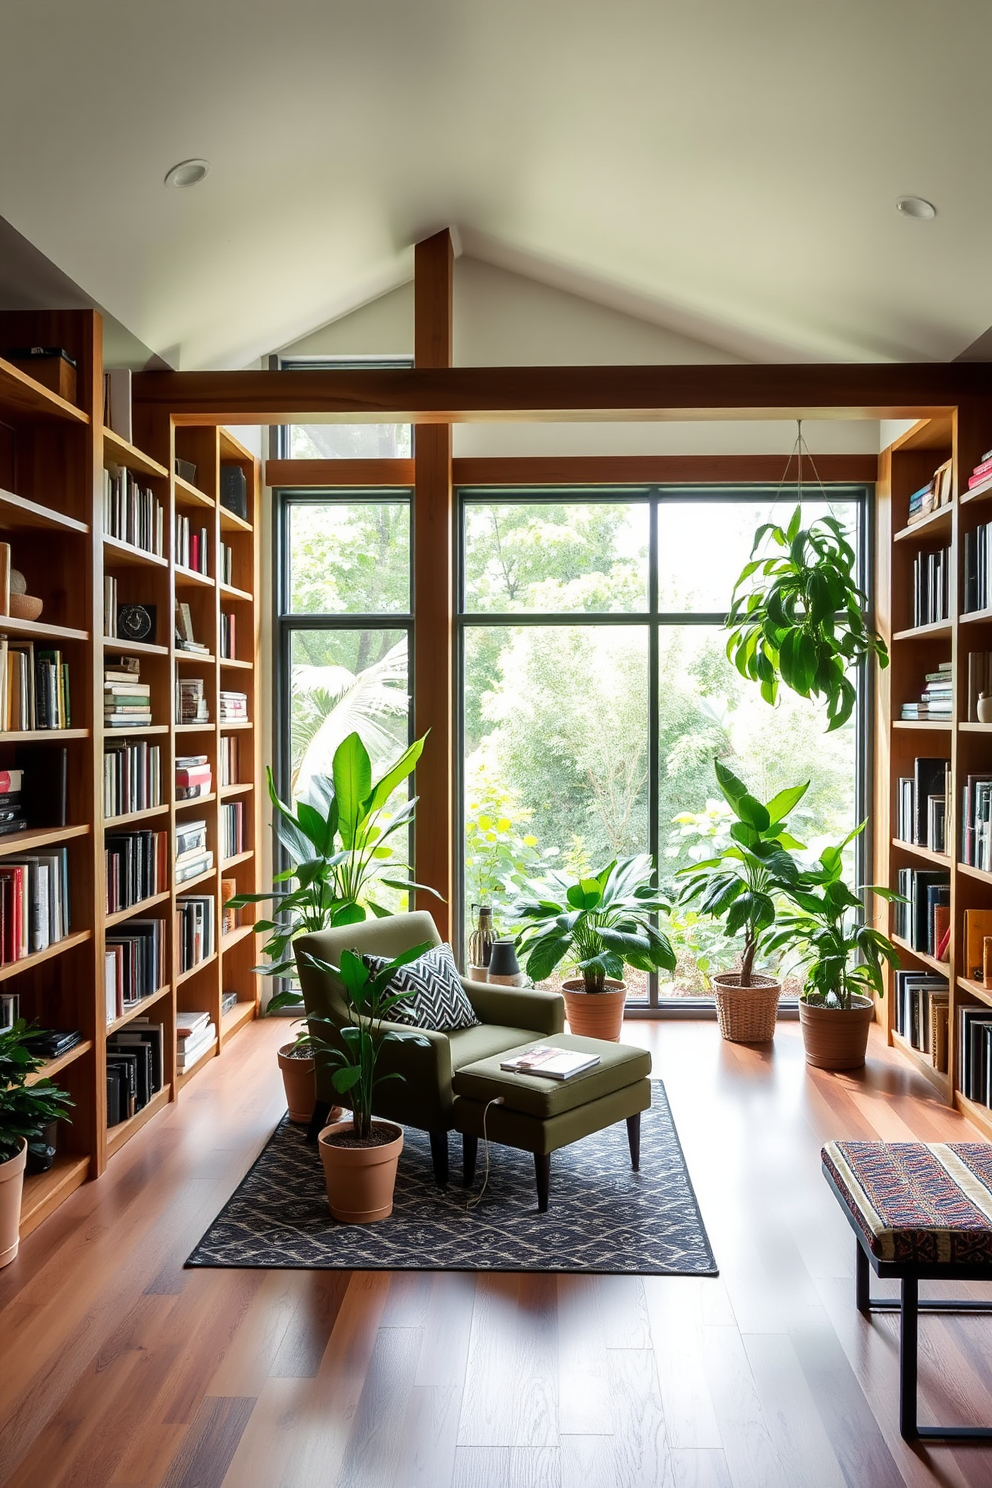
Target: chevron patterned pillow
point(439, 1000)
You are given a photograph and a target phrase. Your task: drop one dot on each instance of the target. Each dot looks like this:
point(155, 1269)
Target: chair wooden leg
point(470, 1151)
point(634, 1140)
point(542, 1172)
point(439, 1157)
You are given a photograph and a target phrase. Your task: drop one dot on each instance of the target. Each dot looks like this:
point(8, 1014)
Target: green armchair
point(423, 1098)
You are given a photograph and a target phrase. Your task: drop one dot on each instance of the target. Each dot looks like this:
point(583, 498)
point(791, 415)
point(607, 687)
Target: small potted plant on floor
point(360, 1155)
point(743, 885)
point(25, 1109)
point(601, 924)
point(842, 959)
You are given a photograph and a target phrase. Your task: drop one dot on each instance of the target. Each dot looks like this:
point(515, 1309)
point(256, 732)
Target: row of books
point(134, 964)
point(233, 707)
point(134, 1068)
point(979, 681)
point(34, 903)
point(921, 1007)
point(937, 698)
point(976, 822)
point(228, 759)
point(936, 493)
point(196, 1036)
point(924, 921)
point(977, 927)
point(34, 687)
point(232, 828)
point(977, 569)
point(982, 471)
point(226, 564)
point(921, 804)
point(196, 929)
point(132, 777)
point(191, 703)
point(193, 857)
point(975, 1053)
point(932, 587)
point(136, 867)
point(228, 637)
point(193, 777)
point(191, 545)
point(131, 513)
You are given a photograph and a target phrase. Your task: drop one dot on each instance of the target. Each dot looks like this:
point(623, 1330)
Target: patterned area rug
point(602, 1216)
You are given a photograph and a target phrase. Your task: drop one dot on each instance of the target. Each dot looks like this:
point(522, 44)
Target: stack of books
point(127, 701)
point(191, 545)
point(196, 929)
point(134, 964)
point(982, 472)
point(228, 637)
point(921, 813)
point(136, 867)
point(193, 777)
point(228, 1002)
point(976, 822)
point(134, 1068)
point(931, 587)
point(937, 700)
point(12, 818)
point(229, 772)
point(921, 1007)
point(193, 857)
point(233, 707)
point(195, 1037)
point(53, 1043)
point(191, 704)
point(34, 688)
point(924, 922)
point(34, 903)
point(132, 777)
point(130, 513)
point(185, 639)
point(233, 828)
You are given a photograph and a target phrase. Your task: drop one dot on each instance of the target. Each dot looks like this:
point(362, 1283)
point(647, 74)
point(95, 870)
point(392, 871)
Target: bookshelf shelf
point(234, 937)
point(240, 789)
point(187, 885)
point(17, 513)
point(121, 552)
point(117, 450)
point(30, 840)
point(940, 859)
point(38, 630)
point(202, 657)
point(979, 873)
point(184, 976)
point(226, 724)
point(38, 736)
point(199, 1062)
point(944, 967)
point(190, 576)
point(28, 963)
point(981, 492)
point(134, 910)
point(44, 1192)
point(139, 729)
point(975, 617)
point(939, 631)
point(240, 1014)
point(118, 1136)
point(980, 1116)
point(195, 801)
point(194, 728)
point(230, 661)
point(229, 592)
point(51, 1067)
point(140, 1008)
point(133, 648)
point(976, 989)
point(189, 495)
point(242, 857)
point(23, 398)
point(924, 723)
point(935, 523)
point(231, 522)
point(135, 816)
point(923, 1063)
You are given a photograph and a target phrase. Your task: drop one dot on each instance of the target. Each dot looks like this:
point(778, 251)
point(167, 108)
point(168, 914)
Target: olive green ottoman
point(540, 1115)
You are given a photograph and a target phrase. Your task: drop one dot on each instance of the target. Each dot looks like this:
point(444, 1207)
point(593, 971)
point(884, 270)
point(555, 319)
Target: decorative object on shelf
point(743, 885)
point(360, 1156)
point(798, 617)
point(504, 969)
point(602, 924)
point(984, 708)
point(480, 942)
point(234, 490)
point(24, 1111)
point(186, 470)
point(52, 366)
point(136, 622)
point(21, 605)
point(117, 402)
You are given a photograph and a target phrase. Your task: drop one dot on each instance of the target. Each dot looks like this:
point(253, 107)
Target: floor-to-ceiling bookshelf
point(53, 454)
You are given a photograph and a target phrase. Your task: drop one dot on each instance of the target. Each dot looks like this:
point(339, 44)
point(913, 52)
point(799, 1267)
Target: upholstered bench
point(920, 1212)
point(540, 1115)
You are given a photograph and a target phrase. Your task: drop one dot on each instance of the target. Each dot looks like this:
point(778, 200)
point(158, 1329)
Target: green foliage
point(369, 1002)
point(742, 883)
point(839, 953)
point(340, 853)
point(24, 1109)
point(602, 923)
point(799, 617)
point(502, 855)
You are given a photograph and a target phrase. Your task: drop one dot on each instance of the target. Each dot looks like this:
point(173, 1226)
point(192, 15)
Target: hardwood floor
point(119, 1369)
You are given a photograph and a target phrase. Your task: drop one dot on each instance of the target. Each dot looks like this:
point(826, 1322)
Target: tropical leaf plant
point(600, 924)
point(743, 883)
point(340, 853)
point(24, 1109)
point(798, 616)
point(331, 702)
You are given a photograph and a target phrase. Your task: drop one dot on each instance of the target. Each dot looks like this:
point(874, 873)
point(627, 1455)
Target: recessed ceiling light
point(187, 173)
point(916, 206)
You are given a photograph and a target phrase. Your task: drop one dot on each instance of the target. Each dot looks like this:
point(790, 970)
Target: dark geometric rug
point(603, 1217)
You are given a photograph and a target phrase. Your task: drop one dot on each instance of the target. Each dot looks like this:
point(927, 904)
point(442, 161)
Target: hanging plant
point(798, 616)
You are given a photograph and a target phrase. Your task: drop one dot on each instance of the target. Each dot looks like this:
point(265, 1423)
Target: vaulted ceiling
point(726, 168)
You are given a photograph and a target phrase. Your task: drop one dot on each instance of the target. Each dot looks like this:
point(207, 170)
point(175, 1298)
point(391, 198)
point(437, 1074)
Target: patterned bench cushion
point(916, 1201)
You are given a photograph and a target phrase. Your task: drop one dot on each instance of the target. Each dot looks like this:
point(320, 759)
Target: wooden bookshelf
point(962, 434)
point(53, 455)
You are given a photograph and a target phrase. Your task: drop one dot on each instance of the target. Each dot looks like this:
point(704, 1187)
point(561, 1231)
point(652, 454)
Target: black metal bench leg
point(542, 1172)
point(634, 1140)
point(862, 1282)
point(909, 1322)
point(470, 1151)
point(439, 1157)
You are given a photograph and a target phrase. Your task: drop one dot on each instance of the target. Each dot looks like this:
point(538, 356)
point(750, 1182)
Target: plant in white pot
point(841, 957)
point(601, 924)
point(360, 1155)
point(743, 885)
point(24, 1110)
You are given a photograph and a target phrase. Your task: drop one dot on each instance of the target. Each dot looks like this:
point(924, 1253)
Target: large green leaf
point(394, 776)
point(352, 771)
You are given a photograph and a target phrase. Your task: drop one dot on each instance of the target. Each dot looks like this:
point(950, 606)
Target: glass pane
point(349, 558)
point(703, 545)
point(556, 757)
point(591, 556)
point(350, 441)
point(707, 710)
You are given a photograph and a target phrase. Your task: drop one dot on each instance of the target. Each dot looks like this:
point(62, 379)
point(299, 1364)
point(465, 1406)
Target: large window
point(344, 441)
point(597, 692)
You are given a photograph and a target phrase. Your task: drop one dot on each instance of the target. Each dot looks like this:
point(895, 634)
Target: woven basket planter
point(746, 1014)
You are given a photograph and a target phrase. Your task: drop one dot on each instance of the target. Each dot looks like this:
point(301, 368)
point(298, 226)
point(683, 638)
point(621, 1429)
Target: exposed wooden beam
point(303, 474)
point(445, 395)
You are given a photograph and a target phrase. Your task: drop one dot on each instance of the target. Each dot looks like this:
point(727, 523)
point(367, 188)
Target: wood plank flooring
point(119, 1369)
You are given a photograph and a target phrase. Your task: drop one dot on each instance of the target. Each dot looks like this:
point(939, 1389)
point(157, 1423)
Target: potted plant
point(360, 1155)
point(338, 849)
point(742, 885)
point(798, 616)
point(842, 959)
point(603, 923)
point(24, 1110)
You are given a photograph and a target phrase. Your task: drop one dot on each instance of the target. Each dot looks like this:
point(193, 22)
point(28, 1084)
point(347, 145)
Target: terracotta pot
point(595, 1014)
point(360, 1180)
point(301, 1087)
point(836, 1039)
point(11, 1186)
point(746, 1015)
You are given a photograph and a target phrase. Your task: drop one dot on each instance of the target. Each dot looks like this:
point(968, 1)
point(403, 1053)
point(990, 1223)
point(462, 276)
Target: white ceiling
point(725, 168)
